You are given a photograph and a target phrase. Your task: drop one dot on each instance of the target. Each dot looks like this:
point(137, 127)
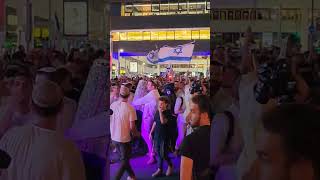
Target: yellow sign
point(195, 34)
point(170, 35)
point(183, 35)
point(123, 36)
point(204, 34)
point(154, 35)
point(115, 36)
point(45, 32)
point(134, 36)
point(162, 35)
point(146, 36)
point(36, 32)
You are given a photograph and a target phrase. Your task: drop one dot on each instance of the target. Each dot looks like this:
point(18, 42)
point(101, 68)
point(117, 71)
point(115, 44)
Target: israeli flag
point(166, 54)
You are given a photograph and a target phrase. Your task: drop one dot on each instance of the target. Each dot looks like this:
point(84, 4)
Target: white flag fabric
point(166, 54)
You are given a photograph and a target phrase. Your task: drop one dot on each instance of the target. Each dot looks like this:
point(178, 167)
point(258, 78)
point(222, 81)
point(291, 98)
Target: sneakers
point(158, 173)
point(152, 160)
point(169, 171)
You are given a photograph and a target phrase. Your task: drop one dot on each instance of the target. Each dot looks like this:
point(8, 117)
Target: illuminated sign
point(134, 67)
point(161, 35)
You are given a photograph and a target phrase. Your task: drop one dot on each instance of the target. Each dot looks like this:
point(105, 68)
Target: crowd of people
point(54, 114)
point(255, 118)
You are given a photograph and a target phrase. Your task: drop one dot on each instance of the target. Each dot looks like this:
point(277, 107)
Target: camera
point(275, 81)
point(196, 88)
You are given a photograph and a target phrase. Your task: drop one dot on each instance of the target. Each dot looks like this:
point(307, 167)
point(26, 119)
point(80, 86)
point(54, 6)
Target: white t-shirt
point(40, 154)
point(150, 102)
point(180, 105)
point(123, 114)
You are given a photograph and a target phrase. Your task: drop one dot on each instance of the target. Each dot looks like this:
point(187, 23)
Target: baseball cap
point(47, 94)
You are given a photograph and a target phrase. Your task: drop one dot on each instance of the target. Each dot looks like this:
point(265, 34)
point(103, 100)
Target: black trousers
point(94, 165)
point(162, 149)
point(125, 152)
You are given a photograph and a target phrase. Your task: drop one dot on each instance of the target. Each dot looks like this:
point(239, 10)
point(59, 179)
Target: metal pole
point(119, 68)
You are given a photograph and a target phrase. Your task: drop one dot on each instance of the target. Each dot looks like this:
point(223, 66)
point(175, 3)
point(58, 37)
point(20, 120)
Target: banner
point(166, 54)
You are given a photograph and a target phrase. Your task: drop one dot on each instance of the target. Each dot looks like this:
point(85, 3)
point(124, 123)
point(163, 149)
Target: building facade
point(47, 22)
point(140, 27)
point(270, 20)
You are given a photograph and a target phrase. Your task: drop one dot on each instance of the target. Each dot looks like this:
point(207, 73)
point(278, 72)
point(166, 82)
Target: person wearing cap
point(36, 147)
point(67, 114)
point(150, 102)
point(122, 123)
point(44, 73)
point(129, 85)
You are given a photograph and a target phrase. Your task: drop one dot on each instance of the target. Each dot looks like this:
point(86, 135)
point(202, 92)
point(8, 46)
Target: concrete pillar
point(21, 29)
point(158, 69)
point(24, 16)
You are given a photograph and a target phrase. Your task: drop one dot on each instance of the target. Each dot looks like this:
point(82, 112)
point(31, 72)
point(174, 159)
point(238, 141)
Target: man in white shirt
point(38, 152)
point(122, 123)
point(67, 114)
point(150, 102)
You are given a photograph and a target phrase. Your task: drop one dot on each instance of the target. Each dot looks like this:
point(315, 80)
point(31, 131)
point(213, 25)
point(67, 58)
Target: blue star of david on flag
point(181, 53)
point(178, 50)
point(152, 57)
